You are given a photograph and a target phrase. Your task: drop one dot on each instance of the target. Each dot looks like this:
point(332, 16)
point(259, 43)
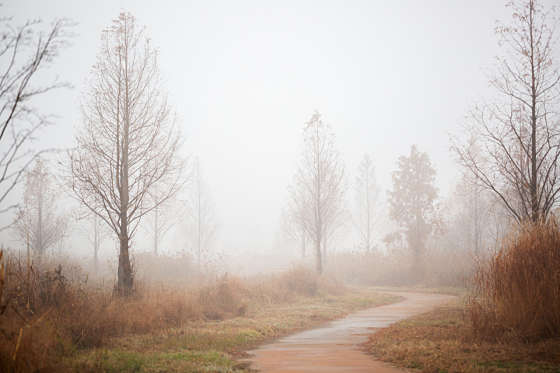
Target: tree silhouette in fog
point(38, 222)
point(367, 203)
point(517, 136)
point(411, 201)
point(318, 189)
point(129, 143)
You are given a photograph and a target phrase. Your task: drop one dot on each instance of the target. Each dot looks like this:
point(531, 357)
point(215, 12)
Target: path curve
point(335, 347)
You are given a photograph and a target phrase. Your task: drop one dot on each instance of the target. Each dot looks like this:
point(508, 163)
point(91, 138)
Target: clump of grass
point(48, 311)
point(517, 292)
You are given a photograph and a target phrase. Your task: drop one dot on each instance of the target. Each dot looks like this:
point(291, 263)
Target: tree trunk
point(303, 244)
point(125, 278)
point(95, 244)
point(318, 256)
point(534, 199)
point(156, 230)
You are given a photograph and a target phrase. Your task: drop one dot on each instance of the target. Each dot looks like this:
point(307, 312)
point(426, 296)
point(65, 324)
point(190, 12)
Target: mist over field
point(186, 166)
point(244, 77)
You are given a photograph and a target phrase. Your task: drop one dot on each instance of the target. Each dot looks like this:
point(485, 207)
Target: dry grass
point(51, 312)
point(517, 292)
point(216, 346)
point(443, 341)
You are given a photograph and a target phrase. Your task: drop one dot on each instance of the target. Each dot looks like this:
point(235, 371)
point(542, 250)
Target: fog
point(243, 77)
point(241, 186)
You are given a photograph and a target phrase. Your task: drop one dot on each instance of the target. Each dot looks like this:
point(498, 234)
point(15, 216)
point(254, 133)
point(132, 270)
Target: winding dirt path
point(334, 347)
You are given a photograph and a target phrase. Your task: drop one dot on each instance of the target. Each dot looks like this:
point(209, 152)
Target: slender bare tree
point(202, 225)
point(518, 135)
point(25, 51)
point(293, 223)
point(367, 203)
point(319, 186)
point(129, 143)
point(163, 217)
point(38, 224)
point(96, 238)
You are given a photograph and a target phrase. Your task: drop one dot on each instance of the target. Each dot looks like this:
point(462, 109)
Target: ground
point(215, 346)
point(441, 341)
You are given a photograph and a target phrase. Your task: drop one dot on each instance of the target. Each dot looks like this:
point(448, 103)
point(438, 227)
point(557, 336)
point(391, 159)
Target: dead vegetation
point(436, 268)
point(443, 341)
point(517, 292)
point(51, 311)
point(510, 322)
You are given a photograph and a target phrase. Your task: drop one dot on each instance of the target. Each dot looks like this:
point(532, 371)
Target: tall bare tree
point(518, 134)
point(367, 202)
point(38, 224)
point(129, 143)
point(25, 51)
point(319, 185)
point(202, 225)
point(411, 201)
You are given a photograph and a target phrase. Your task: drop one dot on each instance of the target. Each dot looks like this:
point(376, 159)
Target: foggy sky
point(244, 76)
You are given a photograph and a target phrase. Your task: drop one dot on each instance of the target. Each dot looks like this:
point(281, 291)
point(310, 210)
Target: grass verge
point(446, 290)
point(215, 346)
point(442, 341)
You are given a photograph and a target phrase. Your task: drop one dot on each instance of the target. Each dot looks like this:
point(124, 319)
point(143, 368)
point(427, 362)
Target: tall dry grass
point(49, 311)
point(517, 292)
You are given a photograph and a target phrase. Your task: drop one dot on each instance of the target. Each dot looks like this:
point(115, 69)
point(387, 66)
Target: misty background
point(243, 77)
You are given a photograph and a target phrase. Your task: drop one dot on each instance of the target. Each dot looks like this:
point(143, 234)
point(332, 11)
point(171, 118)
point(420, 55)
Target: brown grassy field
point(216, 346)
point(443, 341)
point(53, 319)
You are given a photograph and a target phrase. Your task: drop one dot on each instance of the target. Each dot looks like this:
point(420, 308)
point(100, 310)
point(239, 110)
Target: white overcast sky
point(244, 76)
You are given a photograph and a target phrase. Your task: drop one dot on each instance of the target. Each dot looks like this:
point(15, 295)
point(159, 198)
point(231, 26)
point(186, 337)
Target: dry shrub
point(223, 299)
point(289, 285)
point(48, 311)
point(517, 292)
point(302, 282)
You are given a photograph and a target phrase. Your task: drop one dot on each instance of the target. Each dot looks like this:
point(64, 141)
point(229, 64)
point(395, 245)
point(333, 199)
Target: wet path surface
point(334, 347)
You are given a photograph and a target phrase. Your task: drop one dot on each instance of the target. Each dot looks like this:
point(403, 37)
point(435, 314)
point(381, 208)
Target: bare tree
point(411, 202)
point(38, 223)
point(367, 202)
point(163, 217)
point(129, 143)
point(96, 238)
point(25, 50)
point(319, 186)
point(293, 223)
point(518, 135)
point(202, 225)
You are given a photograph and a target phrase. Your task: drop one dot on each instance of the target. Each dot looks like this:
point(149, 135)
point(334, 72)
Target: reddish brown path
point(335, 347)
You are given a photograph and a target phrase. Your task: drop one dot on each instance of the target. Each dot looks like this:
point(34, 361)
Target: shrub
point(49, 311)
point(517, 292)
